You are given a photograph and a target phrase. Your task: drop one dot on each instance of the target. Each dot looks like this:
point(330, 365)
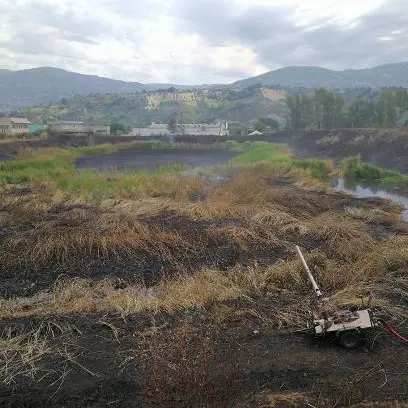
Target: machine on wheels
point(347, 325)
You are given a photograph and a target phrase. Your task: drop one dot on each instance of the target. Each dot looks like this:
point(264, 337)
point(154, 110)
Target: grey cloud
point(47, 35)
point(71, 21)
point(273, 35)
point(217, 21)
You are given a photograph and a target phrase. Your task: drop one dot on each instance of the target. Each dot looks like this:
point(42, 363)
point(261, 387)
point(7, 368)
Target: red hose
point(394, 332)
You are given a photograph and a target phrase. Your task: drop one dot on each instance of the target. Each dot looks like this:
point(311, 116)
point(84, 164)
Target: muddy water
point(363, 192)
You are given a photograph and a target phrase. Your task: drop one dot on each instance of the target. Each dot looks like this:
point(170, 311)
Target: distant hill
point(43, 85)
point(140, 109)
point(30, 87)
point(389, 75)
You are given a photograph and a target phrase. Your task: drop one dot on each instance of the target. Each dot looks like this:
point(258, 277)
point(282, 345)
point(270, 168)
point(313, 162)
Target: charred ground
point(184, 291)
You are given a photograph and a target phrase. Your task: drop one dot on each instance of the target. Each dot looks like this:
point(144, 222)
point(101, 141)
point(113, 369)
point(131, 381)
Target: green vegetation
point(327, 110)
point(231, 145)
point(266, 125)
point(24, 171)
point(58, 166)
point(278, 155)
point(117, 128)
point(129, 110)
point(95, 150)
point(356, 170)
point(262, 152)
point(319, 168)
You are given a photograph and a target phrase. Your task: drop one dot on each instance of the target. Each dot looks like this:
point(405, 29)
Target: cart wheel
point(349, 339)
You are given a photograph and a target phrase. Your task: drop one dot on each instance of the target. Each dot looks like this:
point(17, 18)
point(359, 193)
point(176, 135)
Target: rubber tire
point(350, 339)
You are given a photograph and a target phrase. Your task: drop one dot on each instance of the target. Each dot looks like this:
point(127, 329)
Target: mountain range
point(389, 75)
point(43, 85)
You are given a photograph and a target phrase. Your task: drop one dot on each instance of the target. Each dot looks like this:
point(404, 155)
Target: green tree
point(338, 110)
point(361, 113)
point(294, 105)
point(306, 111)
point(390, 108)
point(116, 127)
point(172, 126)
point(260, 126)
point(269, 123)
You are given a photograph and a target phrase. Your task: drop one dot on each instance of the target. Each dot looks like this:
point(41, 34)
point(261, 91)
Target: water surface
point(362, 192)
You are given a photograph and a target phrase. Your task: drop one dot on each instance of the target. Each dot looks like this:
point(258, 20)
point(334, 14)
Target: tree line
point(324, 109)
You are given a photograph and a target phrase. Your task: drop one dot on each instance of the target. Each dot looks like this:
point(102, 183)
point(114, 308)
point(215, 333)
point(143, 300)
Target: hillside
point(140, 109)
point(19, 89)
point(44, 85)
point(35, 86)
point(312, 77)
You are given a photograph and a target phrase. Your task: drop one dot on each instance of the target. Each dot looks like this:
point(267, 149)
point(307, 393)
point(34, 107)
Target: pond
point(362, 192)
point(151, 159)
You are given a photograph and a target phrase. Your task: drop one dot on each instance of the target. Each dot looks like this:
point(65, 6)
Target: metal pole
point(309, 274)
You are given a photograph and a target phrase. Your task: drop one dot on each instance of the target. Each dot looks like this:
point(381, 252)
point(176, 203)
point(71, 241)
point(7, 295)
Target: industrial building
point(194, 129)
point(69, 126)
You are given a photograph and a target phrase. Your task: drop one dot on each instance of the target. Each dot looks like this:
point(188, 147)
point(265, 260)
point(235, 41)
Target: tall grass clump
point(278, 155)
point(262, 152)
point(95, 150)
point(24, 171)
point(356, 170)
point(231, 145)
point(320, 169)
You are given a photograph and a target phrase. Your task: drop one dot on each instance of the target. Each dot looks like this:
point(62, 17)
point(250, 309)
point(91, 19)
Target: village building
point(194, 129)
point(14, 126)
point(70, 126)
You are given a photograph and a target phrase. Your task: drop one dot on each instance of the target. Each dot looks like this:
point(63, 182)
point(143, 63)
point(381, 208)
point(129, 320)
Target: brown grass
point(346, 260)
point(21, 354)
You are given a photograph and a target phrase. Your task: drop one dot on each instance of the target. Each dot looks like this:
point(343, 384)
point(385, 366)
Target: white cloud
point(185, 41)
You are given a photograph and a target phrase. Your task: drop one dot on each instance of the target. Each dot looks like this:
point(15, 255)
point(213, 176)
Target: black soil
point(190, 360)
point(209, 245)
point(150, 159)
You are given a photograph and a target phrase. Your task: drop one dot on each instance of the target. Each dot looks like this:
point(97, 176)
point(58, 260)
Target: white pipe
point(309, 274)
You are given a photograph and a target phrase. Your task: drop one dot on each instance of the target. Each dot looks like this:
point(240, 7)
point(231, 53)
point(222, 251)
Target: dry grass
point(21, 354)
point(81, 295)
point(47, 225)
point(269, 399)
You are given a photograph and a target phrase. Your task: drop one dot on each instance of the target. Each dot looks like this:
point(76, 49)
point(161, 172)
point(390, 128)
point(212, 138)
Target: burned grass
point(159, 298)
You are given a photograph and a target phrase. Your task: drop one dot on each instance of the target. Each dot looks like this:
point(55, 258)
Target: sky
point(200, 41)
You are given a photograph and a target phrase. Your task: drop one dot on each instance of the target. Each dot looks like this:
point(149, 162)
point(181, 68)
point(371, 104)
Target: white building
point(194, 129)
point(69, 126)
point(14, 126)
point(66, 126)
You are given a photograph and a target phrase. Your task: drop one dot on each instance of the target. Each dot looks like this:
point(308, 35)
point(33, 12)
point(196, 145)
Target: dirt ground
point(212, 239)
point(149, 159)
point(140, 361)
point(386, 148)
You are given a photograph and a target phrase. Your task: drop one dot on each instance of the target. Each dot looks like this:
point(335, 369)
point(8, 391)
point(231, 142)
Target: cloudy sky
point(200, 41)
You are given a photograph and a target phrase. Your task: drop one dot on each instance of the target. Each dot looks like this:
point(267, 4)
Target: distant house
point(66, 126)
point(193, 129)
point(14, 126)
point(69, 126)
point(100, 130)
point(255, 133)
